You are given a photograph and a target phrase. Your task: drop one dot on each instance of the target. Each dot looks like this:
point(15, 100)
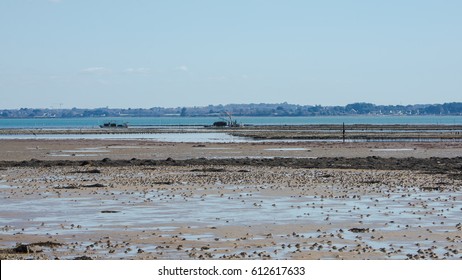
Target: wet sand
point(136, 199)
point(81, 149)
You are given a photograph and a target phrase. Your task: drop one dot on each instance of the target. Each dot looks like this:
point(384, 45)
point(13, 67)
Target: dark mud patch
point(211, 169)
point(82, 258)
point(97, 185)
point(72, 187)
point(30, 248)
point(430, 189)
point(92, 171)
point(432, 165)
point(359, 230)
point(47, 244)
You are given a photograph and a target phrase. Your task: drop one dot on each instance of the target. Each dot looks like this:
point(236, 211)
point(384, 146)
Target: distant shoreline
point(244, 110)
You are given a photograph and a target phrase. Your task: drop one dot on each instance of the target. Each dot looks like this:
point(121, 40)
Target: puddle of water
point(392, 150)
point(287, 149)
point(73, 155)
point(164, 137)
point(259, 157)
point(205, 236)
point(83, 150)
point(213, 148)
point(126, 147)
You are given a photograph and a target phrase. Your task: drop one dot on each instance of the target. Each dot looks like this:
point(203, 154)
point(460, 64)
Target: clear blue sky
point(148, 53)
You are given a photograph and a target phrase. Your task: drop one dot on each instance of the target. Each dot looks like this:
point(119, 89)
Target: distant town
point(261, 109)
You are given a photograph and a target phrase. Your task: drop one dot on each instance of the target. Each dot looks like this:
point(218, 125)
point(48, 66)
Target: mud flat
point(107, 199)
point(91, 149)
point(189, 210)
point(355, 132)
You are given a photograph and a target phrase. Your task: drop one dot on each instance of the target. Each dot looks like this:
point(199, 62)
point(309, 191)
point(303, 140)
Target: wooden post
point(343, 134)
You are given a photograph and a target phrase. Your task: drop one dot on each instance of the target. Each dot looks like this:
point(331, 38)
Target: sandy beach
point(139, 199)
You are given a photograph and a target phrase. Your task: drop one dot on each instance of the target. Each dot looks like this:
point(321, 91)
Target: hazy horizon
point(144, 54)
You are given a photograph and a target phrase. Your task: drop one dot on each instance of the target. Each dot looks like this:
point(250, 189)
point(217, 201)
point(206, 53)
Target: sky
point(171, 53)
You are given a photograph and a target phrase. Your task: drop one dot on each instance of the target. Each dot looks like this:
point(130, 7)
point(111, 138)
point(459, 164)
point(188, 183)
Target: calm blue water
point(77, 123)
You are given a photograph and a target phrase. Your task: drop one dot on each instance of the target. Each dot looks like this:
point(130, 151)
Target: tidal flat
point(115, 206)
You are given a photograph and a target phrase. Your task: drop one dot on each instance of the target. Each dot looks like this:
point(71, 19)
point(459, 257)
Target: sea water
point(85, 123)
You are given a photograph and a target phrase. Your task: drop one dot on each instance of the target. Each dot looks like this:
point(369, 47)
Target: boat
point(226, 122)
point(114, 125)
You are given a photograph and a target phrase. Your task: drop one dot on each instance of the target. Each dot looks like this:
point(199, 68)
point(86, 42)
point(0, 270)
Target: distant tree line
point(261, 109)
